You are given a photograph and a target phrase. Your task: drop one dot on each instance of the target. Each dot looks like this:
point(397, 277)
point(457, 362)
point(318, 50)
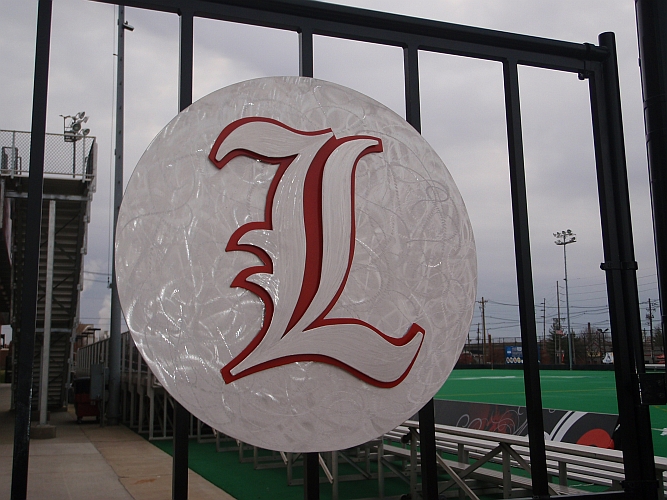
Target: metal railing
point(64, 157)
point(97, 352)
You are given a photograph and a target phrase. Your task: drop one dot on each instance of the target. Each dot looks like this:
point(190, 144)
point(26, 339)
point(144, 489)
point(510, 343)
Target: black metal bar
point(620, 269)
point(427, 451)
point(179, 479)
point(531, 373)
point(26, 344)
point(186, 58)
point(411, 74)
point(429, 467)
point(374, 34)
point(306, 52)
point(311, 464)
point(652, 35)
point(275, 13)
point(311, 476)
point(179, 489)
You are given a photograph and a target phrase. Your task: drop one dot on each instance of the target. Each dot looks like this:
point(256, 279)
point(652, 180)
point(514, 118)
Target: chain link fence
point(65, 156)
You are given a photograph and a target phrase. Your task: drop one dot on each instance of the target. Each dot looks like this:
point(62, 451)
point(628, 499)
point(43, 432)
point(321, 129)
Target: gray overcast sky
point(462, 113)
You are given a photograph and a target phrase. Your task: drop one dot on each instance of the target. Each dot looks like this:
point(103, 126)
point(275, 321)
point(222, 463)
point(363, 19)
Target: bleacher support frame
point(595, 63)
point(145, 406)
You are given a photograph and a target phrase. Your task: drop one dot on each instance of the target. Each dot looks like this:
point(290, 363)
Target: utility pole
point(544, 324)
point(649, 316)
point(564, 238)
point(114, 327)
point(483, 302)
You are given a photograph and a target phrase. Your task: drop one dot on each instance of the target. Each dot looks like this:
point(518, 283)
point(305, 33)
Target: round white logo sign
point(295, 264)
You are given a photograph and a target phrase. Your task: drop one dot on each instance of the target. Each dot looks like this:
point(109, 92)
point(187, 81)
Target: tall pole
point(544, 324)
point(567, 310)
point(483, 331)
point(650, 322)
point(114, 333)
point(179, 483)
point(564, 239)
point(26, 347)
point(652, 37)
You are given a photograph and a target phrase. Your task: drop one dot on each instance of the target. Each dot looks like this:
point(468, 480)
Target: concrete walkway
point(88, 461)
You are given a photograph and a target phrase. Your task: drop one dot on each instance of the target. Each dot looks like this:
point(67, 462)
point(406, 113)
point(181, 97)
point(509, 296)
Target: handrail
point(66, 156)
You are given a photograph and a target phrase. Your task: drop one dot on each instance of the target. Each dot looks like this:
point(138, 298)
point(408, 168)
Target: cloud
point(104, 312)
point(463, 118)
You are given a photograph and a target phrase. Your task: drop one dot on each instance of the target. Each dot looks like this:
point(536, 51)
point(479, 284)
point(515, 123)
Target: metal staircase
point(69, 184)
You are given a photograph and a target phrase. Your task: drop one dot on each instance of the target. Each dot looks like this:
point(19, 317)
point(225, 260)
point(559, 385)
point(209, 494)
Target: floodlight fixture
point(73, 130)
point(565, 237)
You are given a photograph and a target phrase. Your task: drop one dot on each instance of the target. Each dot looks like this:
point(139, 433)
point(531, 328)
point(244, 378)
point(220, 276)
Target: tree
point(590, 340)
point(555, 343)
point(658, 339)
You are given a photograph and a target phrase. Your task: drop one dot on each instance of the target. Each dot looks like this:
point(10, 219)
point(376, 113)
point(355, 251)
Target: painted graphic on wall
point(577, 427)
point(295, 264)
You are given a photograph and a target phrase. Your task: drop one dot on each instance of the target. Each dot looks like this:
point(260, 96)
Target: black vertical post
point(306, 52)
point(186, 59)
point(311, 476)
point(524, 273)
point(179, 489)
point(652, 35)
point(620, 268)
point(411, 74)
point(311, 461)
point(26, 346)
point(429, 467)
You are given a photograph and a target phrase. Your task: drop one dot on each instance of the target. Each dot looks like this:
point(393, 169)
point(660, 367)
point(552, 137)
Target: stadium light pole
point(564, 238)
point(116, 314)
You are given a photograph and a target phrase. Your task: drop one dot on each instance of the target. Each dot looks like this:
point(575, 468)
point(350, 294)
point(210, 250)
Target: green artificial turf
point(563, 390)
point(579, 390)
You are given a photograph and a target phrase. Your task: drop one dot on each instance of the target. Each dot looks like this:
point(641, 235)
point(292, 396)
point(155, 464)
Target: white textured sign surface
point(295, 264)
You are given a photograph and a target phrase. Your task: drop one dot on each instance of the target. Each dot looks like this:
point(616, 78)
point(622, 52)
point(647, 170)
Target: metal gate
point(595, 63)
